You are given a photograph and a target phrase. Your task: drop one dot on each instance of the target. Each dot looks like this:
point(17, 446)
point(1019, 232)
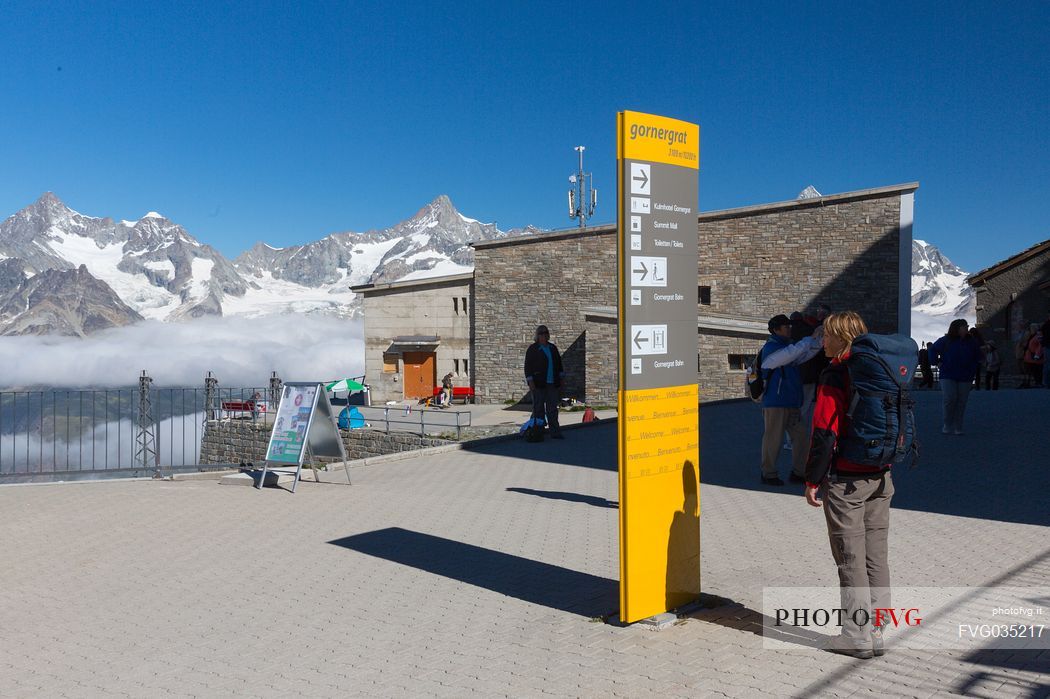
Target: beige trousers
point(778, 421)
point(858, 516)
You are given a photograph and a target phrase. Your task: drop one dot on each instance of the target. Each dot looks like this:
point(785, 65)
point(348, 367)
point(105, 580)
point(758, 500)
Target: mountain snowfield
point(161, 272)
point(939, 293)
point(156, 270)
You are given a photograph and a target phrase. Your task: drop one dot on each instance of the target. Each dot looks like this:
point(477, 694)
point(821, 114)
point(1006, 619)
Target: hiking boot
point(772, 480)
point(847, 646)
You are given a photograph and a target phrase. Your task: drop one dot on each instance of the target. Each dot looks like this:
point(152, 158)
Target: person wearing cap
point(543, 374)
point(782, 399)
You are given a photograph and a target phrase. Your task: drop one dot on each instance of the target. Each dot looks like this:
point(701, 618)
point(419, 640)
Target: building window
point(466, 367)
point(455, 363)
point(703, 295)
point(464, 305)
point(455, 305)
point(389, 363)
point(740, 362)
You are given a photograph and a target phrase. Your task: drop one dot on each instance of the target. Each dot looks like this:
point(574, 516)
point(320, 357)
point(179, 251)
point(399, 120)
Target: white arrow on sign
point(648, 271)
point(648, 339)
point(640, 183)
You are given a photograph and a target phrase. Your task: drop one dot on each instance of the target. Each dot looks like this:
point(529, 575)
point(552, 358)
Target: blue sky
point(284, 122)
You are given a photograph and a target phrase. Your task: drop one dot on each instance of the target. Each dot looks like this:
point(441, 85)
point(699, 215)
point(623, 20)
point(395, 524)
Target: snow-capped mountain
point(161, 272)
point(153, 268)
point(939, 293)
point(434, 242)
point(152, 264)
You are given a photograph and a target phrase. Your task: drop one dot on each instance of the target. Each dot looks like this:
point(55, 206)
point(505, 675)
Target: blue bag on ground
point(882, 419)
point(533, 429)
point(351, 419)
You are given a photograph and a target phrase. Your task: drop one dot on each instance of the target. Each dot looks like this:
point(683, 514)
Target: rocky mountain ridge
point(58, 302)
point(161, 272)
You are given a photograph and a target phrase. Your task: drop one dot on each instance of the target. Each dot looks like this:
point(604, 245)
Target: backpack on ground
point(532, 430)
point(881, 411)
point(534, 433)
point(588, 415)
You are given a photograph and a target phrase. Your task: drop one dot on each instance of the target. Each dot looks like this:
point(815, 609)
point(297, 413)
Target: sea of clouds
point(238, 351)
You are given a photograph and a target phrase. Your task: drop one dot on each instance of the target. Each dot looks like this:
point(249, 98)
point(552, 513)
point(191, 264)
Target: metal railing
point(78, 433)
point(423, 421)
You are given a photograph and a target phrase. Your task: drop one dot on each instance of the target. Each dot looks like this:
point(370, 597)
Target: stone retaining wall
point(234, 441)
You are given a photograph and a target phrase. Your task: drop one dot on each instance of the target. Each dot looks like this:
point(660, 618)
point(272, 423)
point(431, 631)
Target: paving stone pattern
point(480, 573)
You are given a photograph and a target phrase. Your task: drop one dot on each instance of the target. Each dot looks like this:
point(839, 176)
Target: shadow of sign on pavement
point(569, 497)
point(531, 581)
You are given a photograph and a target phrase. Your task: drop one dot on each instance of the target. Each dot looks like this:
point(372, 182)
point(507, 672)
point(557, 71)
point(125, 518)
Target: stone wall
point(440, 307)
point(601, 361)
point(717, 380)
point(523, 282)
point(1008, 298)
point(845, 253)
point(844, 250)
point(234, 441)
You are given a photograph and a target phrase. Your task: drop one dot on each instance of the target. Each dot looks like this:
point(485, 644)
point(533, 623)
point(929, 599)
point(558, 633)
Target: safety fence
point(55, 434)
point(422, 421)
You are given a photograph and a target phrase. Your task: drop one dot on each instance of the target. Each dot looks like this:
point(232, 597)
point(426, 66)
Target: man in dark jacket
point(543, 373)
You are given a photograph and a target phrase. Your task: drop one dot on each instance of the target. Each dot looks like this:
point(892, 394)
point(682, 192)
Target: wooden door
point(420, 374)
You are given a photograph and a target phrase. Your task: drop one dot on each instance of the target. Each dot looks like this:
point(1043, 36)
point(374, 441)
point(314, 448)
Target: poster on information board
point(304, 424)
point(292, 424)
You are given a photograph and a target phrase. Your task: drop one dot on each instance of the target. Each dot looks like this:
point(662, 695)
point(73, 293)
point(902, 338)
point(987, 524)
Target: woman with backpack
point(856, 495)
point(958, 355)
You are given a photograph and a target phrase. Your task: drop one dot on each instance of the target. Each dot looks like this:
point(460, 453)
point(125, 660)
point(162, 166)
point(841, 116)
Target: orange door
point(420, 374)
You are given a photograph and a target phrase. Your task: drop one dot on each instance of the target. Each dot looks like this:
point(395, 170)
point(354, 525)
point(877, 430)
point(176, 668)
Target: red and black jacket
point(830, 422)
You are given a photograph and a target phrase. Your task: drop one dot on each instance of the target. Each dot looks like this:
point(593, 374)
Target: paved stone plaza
point(488, 572)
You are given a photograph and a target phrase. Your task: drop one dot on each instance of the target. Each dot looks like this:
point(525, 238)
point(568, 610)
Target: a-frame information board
point(659, 436)
point(304, 423)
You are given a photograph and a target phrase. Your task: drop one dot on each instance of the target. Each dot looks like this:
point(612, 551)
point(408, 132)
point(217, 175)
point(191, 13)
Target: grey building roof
point(412, 283)
point(810, 203)
point(743, 211)
point(989, 272)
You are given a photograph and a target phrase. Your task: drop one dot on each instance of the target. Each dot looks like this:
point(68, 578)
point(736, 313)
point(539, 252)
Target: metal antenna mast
point(583, 197)
point(146, 430)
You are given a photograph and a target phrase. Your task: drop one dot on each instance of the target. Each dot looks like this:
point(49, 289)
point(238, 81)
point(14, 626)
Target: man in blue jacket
point(782, 400)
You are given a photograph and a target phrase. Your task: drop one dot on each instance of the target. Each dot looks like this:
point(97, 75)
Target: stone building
point(416, 332)
point(1012, 294)
point(851, 250)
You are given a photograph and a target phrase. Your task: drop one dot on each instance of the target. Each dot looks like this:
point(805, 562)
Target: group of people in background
point(807, 385)
point(791, 361)
point(1030, 352)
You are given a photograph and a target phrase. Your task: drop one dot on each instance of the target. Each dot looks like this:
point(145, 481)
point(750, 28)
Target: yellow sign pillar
point(658, 433)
